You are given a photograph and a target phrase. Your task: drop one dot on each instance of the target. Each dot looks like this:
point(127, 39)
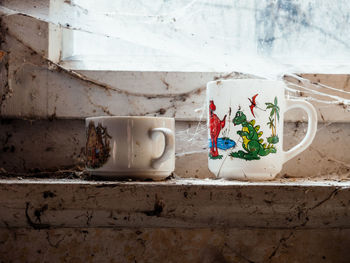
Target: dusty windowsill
point(188, 203)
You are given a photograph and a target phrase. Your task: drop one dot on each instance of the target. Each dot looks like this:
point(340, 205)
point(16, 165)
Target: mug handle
point(311, 127)
point(168, 148)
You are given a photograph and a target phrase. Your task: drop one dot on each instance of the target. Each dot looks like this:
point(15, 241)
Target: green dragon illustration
point(251, 139)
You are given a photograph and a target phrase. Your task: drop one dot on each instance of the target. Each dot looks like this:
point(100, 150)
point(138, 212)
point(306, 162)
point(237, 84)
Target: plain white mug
point(245, 128)
point(133, 147)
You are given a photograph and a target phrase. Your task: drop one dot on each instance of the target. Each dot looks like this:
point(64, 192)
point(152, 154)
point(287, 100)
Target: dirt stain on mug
point(97, 146)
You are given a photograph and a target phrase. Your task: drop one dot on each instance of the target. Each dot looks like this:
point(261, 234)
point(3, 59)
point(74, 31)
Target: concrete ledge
point(190, 203)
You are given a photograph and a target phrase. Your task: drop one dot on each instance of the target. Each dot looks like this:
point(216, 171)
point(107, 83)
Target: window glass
point(213, 35)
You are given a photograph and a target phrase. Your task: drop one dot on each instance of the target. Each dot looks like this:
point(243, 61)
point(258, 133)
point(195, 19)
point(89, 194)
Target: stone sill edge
point(184, 203)
point(297, 182)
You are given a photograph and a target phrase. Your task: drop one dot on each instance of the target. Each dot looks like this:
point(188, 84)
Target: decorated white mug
point(131, 147)
point(245, 123)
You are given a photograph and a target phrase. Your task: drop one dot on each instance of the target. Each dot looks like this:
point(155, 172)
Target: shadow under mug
point(130, 147)
point(245, 127)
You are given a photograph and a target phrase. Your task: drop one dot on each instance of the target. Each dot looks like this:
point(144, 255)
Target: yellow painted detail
point(245, 139)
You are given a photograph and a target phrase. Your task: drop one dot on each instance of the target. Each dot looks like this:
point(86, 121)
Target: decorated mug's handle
point(311, 128)
point(168, 148)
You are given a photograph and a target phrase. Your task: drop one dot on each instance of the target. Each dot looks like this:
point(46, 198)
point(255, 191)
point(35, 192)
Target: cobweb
point(264, 39)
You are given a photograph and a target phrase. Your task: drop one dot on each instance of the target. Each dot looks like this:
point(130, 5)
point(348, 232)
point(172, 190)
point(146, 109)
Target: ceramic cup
point(245, 127)
point(136, 147)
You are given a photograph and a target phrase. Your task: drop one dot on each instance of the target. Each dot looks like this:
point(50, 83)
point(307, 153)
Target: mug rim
point(127, 117)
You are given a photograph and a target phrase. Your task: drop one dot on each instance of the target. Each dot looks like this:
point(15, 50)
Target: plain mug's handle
point(311, 127)
point(168, 148)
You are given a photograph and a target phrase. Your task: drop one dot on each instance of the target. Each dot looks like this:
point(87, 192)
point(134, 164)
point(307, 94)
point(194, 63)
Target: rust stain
point(2, 55)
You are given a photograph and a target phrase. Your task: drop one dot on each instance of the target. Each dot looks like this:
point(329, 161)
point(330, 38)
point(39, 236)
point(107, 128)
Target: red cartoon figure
point(252, 104)
point(215, 126)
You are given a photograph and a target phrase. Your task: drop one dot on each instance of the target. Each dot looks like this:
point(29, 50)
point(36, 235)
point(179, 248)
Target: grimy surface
point(204, 245)
point(183, 220)
point(33, 146)
point(186, 203)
